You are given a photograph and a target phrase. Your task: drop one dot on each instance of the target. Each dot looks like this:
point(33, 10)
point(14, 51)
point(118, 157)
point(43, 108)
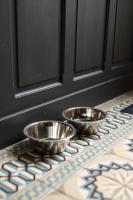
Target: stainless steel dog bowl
point(85, 119)
point(52, 136)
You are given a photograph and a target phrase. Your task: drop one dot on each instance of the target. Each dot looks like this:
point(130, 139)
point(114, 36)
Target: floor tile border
point(58, 175)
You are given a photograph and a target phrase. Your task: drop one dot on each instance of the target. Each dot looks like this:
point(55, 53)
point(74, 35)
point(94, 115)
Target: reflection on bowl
point(85, 119)
point(52, 136)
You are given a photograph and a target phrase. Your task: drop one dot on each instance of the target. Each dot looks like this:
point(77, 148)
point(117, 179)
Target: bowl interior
point(84, 114)
point(48, 130)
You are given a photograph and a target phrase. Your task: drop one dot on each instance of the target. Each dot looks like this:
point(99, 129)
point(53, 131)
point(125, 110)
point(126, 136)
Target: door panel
point(90, 34)
point(39, 33)
point(37, 41)
point(123, 44)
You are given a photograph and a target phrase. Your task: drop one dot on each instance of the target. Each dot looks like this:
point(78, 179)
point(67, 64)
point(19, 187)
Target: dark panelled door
point(34, 35)
point(37, 51)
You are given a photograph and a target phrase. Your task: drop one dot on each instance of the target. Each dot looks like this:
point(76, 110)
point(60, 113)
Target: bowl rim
point(25, 132)
point(84, 122)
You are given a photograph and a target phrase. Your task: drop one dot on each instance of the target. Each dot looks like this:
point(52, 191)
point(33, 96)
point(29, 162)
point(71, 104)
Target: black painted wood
point(91, 17)
point(110, 29)
point(6, 83)
point(123, 43)
point(11, 127)
point(39, 40)
point(53, 84)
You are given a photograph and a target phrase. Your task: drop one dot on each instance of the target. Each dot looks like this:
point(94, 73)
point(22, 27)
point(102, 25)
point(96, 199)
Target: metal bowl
point(85, 119)
point(52, 136)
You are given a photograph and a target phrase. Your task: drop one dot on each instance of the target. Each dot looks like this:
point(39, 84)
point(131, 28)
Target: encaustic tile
point(106, 177)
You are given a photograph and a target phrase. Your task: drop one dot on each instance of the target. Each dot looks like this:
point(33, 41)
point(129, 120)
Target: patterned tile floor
point(96, 167)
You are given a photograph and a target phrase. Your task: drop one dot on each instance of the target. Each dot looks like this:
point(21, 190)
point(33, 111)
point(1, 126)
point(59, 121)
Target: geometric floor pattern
point(130, 145)
point(91, 179)
point(31, 166)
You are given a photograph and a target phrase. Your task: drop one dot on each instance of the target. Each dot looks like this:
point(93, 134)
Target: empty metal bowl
point(52, 136)
point(85, 119)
